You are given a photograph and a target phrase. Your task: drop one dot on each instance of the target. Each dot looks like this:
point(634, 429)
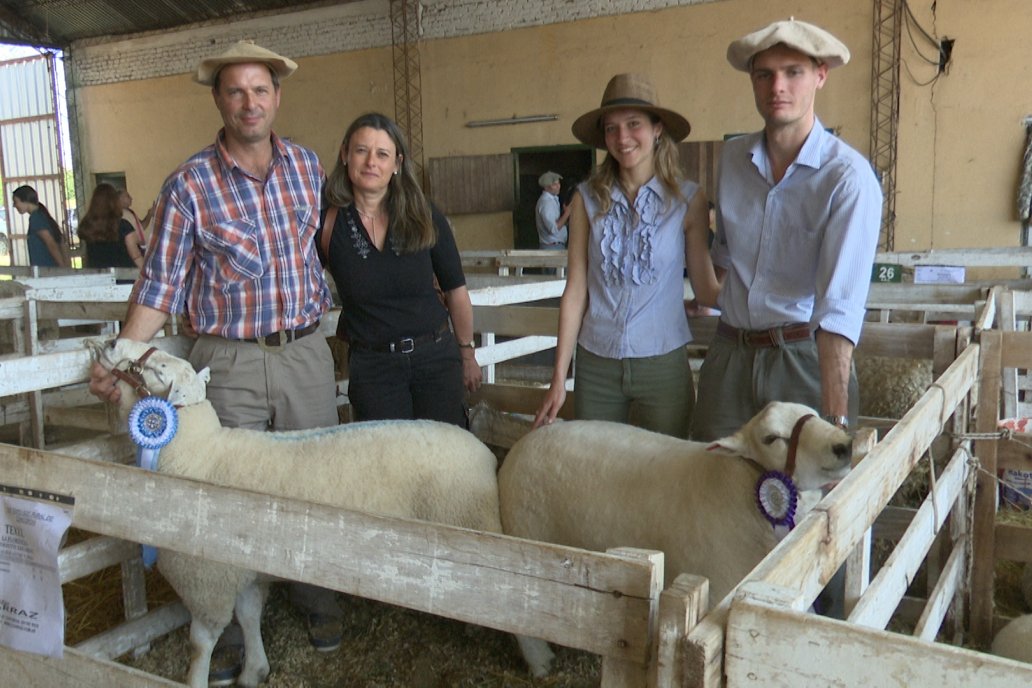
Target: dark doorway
point(573, 162)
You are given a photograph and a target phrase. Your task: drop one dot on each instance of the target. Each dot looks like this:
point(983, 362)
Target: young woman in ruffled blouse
point(634, 227)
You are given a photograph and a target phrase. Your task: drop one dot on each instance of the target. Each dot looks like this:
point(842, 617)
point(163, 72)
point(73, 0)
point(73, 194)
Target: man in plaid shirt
point(232, 249)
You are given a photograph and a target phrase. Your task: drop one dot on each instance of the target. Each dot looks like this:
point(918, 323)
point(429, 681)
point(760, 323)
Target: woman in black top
point(388, 252)
point(110, 241)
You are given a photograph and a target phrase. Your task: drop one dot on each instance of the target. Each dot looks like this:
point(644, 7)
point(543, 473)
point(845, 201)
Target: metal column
point(408, 98)
point(885, 109)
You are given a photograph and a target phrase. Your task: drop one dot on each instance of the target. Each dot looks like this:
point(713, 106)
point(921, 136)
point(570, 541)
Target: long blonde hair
point(666, 167)
point(408, 212)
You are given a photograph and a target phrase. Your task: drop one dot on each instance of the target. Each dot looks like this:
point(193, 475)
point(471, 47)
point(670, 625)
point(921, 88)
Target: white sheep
point(598, 485)
point(1014, 640)
point(414, 469)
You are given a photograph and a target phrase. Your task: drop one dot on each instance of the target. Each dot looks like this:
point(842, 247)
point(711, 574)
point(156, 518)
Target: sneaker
point(324, 632)
point(226, 663)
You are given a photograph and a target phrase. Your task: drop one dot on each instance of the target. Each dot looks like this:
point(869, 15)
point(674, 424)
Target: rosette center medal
point(778, 498)
point(153, 423)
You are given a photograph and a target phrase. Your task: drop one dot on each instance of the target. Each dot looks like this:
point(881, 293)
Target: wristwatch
point(840, 421)
point(468, 345)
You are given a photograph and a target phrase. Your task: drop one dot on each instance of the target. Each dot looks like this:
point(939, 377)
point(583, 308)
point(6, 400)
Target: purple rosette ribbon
point(777, 496)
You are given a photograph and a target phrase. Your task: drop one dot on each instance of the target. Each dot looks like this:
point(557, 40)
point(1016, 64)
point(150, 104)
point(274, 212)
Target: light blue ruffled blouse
point(636, 273)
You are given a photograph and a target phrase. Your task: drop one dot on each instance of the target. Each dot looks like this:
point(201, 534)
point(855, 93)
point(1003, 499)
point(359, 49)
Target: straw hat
point(806, 38)
point(243, 52)
point(628, 91)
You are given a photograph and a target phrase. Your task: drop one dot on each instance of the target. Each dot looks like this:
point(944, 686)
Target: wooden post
point(623, 673)
point(983, 556)
point(858, 564)
point(680, 608)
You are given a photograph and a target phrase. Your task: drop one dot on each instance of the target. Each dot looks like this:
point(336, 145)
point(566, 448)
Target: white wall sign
point(32, 524)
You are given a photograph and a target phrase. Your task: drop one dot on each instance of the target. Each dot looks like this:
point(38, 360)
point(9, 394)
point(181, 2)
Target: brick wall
point(326, 30)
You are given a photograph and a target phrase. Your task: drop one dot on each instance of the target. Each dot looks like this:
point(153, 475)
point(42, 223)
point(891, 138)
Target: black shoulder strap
point(327, 232)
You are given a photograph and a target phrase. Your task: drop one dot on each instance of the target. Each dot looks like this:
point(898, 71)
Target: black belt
point(405, 345)
point(774, 336)
point(277, 339)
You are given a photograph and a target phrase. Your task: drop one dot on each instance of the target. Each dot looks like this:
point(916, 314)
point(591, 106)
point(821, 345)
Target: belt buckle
point(407, 345)
point(281, 336)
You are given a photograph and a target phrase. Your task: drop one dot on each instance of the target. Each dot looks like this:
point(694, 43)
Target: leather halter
point(793, 443)
point(133, 375)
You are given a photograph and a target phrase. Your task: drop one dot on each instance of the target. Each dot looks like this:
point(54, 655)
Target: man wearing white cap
point(798, 216)
point(551, 219)
point(233, 250)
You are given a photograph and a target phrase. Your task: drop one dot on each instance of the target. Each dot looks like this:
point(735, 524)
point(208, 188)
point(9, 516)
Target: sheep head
point(823, 451)
point(163, 374)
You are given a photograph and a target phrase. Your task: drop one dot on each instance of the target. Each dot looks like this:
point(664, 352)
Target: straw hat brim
point(243, 52)
point(588, 127)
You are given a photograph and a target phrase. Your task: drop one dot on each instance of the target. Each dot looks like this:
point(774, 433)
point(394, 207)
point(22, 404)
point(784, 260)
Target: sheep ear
point(729, 445)
point(204, 374)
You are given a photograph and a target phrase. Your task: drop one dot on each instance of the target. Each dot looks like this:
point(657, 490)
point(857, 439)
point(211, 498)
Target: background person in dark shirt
point(44, 235)
point(388, 252)
point(110, 241)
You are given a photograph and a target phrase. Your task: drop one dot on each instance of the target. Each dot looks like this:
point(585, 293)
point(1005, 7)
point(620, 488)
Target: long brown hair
point(666, 168)
point(408, 212)
point(103, 215)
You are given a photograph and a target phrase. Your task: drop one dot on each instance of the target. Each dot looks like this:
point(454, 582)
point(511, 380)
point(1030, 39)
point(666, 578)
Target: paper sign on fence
point(32, 524)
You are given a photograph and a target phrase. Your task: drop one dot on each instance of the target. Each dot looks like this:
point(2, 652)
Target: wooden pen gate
point(759, 635)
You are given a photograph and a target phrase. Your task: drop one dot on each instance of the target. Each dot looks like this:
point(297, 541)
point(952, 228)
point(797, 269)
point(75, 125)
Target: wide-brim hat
point(243, 52)
point(623, 91)
point(799, 35)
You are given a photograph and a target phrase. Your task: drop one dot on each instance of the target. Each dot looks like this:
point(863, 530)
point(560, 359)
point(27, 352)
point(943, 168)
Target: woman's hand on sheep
point(102, 383)
point(554, 400)
point(471, 373)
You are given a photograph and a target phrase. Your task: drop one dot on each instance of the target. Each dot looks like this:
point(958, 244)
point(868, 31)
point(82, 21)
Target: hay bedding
point(384, 646)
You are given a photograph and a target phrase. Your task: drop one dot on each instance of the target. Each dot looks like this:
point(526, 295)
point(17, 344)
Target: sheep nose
point(842, 451)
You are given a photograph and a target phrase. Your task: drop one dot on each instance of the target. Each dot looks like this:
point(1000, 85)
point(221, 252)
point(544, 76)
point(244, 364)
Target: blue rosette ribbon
point(152, 424)
point(777, 497)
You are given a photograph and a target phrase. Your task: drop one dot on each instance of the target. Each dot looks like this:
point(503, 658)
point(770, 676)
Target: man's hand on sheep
point(102, 384)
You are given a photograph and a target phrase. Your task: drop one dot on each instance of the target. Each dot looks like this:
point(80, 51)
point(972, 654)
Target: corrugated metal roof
point(57, 23)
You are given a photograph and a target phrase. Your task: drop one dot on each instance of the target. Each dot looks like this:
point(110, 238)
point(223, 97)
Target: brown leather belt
point(405, 345)
point(278, 339)
point(775, 336)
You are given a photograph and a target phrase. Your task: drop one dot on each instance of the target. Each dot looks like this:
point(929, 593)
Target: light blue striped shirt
point(800, 250)
point(636, 273)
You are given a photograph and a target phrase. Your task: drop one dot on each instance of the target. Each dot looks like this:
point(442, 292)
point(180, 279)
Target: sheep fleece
point(598, 485)
point(416, 469)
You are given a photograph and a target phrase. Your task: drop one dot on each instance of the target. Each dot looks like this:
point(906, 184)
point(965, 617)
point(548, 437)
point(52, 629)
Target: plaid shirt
point(237, 253)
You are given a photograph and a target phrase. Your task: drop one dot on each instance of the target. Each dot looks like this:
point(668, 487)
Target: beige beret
point(243, 52)
point(806, 38)
point(549, 178)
